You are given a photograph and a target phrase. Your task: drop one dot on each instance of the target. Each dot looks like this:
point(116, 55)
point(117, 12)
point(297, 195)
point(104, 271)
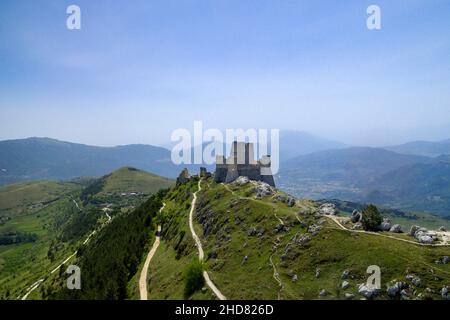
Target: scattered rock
point(445, 260)
point(345, 285)
point(244, 260)
point(280, 227)
point(349, 296)
point(358, 226)
point(404, 295)
point(445, 293)
point(356, 216)
point(368, 291)
point(323, 293)
point(396, 228)
point(241, 181)
point(314, 229)
point(290, 201)
point(385, 225)
point(317, 273)
point(422, 235)
point(416, 281)
point(252, 232)
point(328, 209)
point(262, 189)
point(294, 278)
point(413, 230)
point(204, 289)
point(303, 239)
point(345, 274)
point(395, 289)
point(443, 229)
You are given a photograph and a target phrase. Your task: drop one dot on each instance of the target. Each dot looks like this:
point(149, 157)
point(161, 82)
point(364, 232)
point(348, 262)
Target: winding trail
point(143, 278)
point(36, 285)
point(336, 220)
point(198, 244)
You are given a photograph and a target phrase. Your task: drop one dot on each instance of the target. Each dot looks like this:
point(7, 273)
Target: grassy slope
point(229, 218)
point(19, 262)
point(134, 180)
point(177, 249)
point(18, 198)
point(39, 207)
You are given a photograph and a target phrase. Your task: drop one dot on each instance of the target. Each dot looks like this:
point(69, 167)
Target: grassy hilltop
point(266, 249)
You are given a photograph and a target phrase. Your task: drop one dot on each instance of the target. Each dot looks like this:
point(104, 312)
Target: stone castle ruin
point(241, 162)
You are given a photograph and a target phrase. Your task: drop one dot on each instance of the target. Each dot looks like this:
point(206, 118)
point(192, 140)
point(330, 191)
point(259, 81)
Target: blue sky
point(139, 69)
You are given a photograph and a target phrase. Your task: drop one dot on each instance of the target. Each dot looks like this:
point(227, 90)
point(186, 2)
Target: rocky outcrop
point(349, 296)
point(345, 285)
point(356, 216)
point(358, 226)
point(288, 200)
point(394, 290)
point(422, 235)
point(241, 181)
point(323, 293)
point(314, 229)
point(183, 177)
point(262, 189)
point(368, 291)
point(345, 274)
point(396, 228)
point(328, 209)
point(445, 293)
point(385, 225)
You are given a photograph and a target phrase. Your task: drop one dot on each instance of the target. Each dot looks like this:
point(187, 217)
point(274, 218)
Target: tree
point(193, 278)
point(371, 218)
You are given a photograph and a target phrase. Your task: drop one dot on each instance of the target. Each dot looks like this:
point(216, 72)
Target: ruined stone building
point(241, 162)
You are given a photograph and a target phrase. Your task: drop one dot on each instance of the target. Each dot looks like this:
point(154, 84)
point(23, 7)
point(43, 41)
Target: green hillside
point(258, 244)
point(18, 198)
point(43, 223)
point(254, 245)
point(134, 180)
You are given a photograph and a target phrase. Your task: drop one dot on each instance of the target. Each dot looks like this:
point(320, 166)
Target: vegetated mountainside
point(49, 159)
point(18, 198)
point(340, 174)
point(262, 247)
point(258, 243)
point(112, 258)
point(423, 148)
point(49, 221)
point(419, 187)
point(125, 182)
point(41, 217)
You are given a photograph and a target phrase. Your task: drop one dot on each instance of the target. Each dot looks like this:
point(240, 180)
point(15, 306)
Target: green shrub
point(193, 278)
point(371, 218)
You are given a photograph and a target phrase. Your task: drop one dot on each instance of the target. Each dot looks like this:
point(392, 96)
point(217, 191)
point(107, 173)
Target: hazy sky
point(139, 69)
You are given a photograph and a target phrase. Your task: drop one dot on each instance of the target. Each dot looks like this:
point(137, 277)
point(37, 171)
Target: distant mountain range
point(43, 158)
point(376, 175)
point(404, 176)
point(423, 148)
